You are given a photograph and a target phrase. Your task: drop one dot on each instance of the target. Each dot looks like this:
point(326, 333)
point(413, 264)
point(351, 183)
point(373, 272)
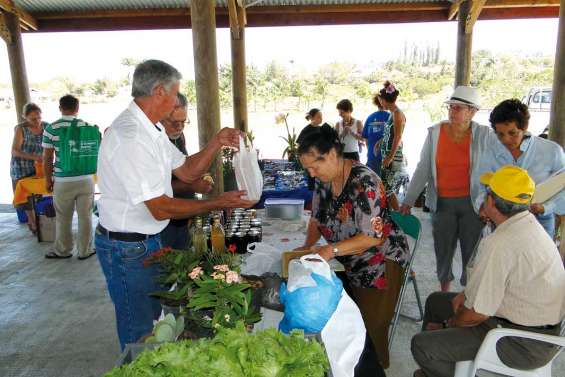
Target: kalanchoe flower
point(232, 277)
point(218, 276)
point(232, 248)
point(222, 268)
point(227, 317)
point(196, 272)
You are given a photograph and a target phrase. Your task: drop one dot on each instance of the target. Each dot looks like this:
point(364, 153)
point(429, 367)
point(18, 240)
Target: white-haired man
point(135, 165)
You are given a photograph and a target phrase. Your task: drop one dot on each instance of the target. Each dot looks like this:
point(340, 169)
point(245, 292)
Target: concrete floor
point(56, 319)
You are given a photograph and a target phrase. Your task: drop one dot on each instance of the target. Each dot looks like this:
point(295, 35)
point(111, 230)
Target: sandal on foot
point(87, 256)
point(54, 255)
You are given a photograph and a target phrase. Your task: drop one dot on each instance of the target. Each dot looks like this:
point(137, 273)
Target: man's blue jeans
point(129, 284)
point(548, 223)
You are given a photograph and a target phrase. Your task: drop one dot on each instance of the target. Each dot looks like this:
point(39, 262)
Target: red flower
point(371, 194)
point(378, 258)
point(232, 248)
point(348, 206)
point(381, 283)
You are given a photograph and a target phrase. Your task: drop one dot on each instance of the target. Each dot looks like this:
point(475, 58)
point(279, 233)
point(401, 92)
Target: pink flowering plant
point(220, 298)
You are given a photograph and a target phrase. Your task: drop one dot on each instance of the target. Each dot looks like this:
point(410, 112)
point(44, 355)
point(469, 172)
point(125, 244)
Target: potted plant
point(174, 266)
point(291, 150)
point(220, 298)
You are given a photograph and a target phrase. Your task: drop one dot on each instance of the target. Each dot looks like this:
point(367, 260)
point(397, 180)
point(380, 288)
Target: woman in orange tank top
point(450, 156)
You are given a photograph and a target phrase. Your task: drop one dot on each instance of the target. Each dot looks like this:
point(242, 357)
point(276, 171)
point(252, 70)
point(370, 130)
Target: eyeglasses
point(456, 107)
point(177, 123)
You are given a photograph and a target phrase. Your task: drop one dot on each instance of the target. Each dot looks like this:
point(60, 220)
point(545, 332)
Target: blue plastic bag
point(310, 307)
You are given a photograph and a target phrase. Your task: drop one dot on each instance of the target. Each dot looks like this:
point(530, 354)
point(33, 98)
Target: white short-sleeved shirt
point(135, 164)
point(518, 275)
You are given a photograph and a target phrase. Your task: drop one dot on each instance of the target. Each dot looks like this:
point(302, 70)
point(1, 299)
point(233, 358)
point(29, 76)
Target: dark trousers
point(454, 220)
point(175, 236)
point(437, 351)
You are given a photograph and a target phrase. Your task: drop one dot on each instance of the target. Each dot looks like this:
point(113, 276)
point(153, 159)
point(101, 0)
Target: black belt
point(545, 327)
point(126, 237)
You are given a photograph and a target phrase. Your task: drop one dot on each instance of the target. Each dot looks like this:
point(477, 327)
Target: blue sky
point(91, 55)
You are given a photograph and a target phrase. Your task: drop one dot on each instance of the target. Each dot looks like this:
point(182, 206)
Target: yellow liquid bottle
point(218, 237)
point(199, 238)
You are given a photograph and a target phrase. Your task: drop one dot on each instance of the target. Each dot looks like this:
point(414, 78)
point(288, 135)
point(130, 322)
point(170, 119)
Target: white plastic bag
point(300, 271)
point(247, 172)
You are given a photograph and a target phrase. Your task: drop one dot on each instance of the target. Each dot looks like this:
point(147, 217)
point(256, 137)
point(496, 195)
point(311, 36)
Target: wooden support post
point(557, 117)
point(239, 82)
point(11, 34)
point(203, 20)
point(464, 47)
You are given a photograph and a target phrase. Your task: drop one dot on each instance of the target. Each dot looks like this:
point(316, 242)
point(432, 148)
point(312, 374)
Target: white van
point(538, 99)
point(539, 105)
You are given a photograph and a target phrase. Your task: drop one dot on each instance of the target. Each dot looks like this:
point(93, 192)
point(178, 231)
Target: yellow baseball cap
point(510, 183)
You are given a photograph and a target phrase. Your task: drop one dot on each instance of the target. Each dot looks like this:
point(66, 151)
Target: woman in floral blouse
point(349, 210)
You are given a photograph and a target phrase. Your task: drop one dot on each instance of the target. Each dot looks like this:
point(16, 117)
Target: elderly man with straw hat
point(517, 281)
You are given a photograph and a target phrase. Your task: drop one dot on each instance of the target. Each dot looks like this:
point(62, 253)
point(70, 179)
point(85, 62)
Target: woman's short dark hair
point(389, 92)
point(323, 139)
point(29, 108)
point(68, 103)
point(510, 110)
point(312, 113)
point(345, 105)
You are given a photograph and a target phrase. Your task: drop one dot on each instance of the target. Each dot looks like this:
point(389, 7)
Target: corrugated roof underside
point(34, 6)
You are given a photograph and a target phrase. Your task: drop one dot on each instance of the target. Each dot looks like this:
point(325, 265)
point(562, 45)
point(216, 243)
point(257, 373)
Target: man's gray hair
point(508, 208)
point(182, 101)
point(151, 73)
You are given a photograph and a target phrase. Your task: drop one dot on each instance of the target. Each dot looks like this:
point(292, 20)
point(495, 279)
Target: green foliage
point(167, 330)
point(234, 353)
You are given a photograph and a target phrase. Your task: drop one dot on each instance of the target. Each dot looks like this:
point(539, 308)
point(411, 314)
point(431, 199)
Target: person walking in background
point(450, 166)
point(541, 158)
point(393, 171)
point(373, 133)
point(27, 152)
point(176, 234)
point(349, 129)
point(74, 144)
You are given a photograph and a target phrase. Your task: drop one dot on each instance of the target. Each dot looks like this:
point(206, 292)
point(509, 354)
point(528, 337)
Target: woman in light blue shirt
point(541, 158)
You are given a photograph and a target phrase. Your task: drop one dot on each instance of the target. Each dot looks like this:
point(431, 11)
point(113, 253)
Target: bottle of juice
point(199, 238)
point(217, 236)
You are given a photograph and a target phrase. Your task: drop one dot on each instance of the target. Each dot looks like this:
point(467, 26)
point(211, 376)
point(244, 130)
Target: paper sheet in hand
point(549, 188)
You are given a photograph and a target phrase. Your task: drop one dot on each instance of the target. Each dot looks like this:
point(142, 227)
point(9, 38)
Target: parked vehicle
point(539, 104)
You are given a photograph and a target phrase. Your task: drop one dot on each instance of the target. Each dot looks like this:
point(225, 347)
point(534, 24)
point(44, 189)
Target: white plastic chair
point(487, 357)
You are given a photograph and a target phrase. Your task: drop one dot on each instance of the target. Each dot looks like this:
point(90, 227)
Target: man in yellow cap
point(517, 281)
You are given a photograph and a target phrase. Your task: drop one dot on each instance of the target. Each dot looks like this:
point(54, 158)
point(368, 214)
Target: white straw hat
point(465, 95)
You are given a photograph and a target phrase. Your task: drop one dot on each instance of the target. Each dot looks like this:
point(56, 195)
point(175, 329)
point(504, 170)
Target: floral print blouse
point(353, 212)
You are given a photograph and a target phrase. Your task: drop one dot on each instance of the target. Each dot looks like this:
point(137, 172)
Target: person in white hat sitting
point(516, 282)
point(449, 166)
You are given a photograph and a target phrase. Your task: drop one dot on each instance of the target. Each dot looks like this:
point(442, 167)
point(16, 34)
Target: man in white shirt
point(517, 282)
point(135, 165)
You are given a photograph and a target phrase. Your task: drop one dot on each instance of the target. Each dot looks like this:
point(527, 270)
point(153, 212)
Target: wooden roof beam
point(474, 11)
point(27, 21)
point(454, 9)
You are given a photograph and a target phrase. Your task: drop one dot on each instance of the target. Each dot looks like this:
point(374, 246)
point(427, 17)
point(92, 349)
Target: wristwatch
point(335, 250)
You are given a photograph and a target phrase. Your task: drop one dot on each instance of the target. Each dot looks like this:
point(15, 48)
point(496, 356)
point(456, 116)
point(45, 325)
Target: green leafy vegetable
point(234, 353)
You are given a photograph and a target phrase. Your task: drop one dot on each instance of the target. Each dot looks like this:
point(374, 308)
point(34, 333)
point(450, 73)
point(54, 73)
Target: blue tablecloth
point(301, 193)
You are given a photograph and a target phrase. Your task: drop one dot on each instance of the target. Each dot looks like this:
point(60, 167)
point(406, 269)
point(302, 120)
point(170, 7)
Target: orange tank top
point(453, 161)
